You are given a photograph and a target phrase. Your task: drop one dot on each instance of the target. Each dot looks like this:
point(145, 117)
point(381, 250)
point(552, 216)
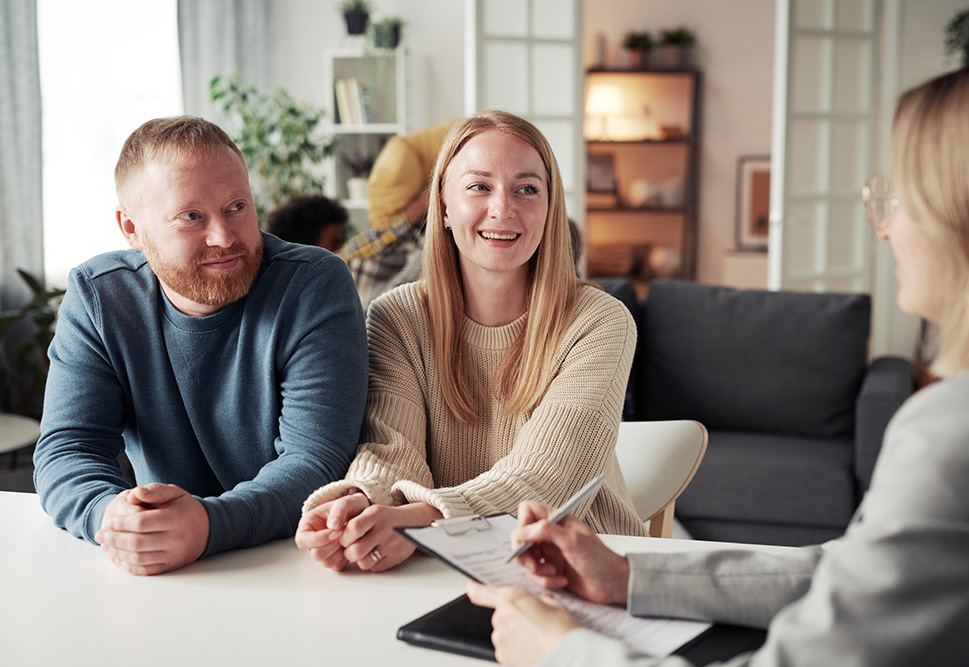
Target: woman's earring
point(447, 227)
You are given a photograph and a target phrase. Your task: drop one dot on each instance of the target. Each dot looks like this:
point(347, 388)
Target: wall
point(735, 51)
point(433, 31)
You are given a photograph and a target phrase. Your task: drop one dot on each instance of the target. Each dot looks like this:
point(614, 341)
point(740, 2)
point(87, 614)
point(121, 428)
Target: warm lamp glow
point(603, 100)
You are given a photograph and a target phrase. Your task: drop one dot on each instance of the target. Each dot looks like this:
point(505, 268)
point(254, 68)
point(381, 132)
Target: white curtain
point(216, 37)
point(21, 231)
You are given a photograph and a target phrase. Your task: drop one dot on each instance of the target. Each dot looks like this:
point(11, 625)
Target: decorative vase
point(638, 58)
point(357, 188)
point(673, 56)
point(356, 22)
point(386, 38)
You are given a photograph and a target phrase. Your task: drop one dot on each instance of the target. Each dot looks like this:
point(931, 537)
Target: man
point(230, 366)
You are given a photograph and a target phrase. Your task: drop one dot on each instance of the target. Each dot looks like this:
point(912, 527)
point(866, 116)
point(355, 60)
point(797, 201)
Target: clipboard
point(478, 547)
point(462, 542)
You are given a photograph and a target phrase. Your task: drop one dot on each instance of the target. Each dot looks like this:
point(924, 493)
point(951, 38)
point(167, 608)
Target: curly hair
point(301, 218)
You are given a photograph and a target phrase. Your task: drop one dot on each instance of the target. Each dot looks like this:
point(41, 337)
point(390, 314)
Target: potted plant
point(676, 48)
point(638, 46)
point(26, 334)
point(359, 167)
point(356, 13)
point(279, 138)
point(957, 36)
point(386, 32)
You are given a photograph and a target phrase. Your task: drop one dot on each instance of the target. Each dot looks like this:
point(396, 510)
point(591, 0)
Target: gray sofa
point(782, 381)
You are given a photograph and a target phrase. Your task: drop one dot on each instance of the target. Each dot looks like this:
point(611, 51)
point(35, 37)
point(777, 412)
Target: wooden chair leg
point(661, 523)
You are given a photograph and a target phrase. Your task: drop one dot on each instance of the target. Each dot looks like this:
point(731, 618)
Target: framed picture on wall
point(753, 202)
point(601, 174)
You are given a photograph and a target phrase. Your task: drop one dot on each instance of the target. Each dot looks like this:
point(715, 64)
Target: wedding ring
point(376, 555)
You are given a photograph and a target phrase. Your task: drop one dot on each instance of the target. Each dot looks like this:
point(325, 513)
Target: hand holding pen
point(570, 506)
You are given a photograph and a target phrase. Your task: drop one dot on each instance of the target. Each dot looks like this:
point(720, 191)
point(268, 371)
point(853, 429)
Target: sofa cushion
point(751, 360)
point(772, 479)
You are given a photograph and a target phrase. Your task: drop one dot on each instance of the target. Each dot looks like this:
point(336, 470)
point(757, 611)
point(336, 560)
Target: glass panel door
point(823, 144)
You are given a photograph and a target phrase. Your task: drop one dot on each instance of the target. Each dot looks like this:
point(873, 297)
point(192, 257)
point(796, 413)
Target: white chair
point(658, 459)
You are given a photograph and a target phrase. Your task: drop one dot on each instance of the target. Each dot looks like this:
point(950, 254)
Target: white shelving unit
point(383, 85)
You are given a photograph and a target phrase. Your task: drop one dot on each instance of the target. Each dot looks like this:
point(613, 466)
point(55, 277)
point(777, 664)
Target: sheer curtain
point(216, 37)
point(21, 231)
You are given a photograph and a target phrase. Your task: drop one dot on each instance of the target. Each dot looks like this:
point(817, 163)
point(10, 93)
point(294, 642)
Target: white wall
point(735, 51)
point(304, 30)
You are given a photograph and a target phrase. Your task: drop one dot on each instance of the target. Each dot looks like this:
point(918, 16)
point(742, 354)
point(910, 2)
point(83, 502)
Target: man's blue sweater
point(249, 409)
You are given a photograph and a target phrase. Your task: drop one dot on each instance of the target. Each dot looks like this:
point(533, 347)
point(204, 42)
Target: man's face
point(194, 219)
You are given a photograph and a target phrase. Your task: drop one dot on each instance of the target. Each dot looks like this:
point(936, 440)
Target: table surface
point(62, 602)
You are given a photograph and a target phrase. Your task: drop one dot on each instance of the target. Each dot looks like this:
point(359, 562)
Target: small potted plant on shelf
point(638, 45)
point(359, 166)
point(356, 13)
point(386, 32)
point(676, 48)
point(957, 36)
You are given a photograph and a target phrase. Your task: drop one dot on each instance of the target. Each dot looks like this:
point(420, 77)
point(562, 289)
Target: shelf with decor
point(643, 146)
point(375, 94)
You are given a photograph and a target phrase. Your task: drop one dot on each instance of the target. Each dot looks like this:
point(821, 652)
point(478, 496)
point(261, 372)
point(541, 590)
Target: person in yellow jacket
point(388, 254)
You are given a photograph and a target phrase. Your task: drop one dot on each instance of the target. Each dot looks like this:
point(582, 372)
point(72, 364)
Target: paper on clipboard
point(478, 547)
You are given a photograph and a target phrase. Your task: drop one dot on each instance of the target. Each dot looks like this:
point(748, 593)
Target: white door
point(525, 56)
point(824, 144)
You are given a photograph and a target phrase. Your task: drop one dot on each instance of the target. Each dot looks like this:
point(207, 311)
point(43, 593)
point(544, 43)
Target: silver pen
point(563, 511)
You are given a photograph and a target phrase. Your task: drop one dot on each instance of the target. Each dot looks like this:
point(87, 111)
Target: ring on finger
point(375, 555)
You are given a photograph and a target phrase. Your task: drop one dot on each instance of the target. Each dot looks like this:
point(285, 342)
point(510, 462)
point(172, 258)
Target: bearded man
point(229, 366)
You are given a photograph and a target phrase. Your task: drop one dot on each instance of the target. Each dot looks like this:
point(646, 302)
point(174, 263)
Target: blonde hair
point(550, 296)
point(930, 163)
point(170, 138)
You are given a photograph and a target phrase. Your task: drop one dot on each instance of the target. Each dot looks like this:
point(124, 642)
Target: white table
point(63, 603)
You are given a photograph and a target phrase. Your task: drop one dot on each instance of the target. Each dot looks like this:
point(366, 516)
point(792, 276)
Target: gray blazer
point(893, 590)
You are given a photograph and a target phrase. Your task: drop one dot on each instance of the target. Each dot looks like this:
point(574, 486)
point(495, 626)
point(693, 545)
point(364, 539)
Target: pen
point(563, 511)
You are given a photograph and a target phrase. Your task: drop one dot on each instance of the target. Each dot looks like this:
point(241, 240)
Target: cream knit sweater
point(413, 449)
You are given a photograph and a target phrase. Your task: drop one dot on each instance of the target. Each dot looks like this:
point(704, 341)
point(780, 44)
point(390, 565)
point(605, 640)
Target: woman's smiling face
point(496, 202)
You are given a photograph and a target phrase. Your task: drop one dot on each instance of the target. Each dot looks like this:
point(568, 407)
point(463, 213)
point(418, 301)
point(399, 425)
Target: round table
point(17, 431)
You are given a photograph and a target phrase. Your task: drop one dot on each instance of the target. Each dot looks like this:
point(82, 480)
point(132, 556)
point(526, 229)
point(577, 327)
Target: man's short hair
point(171, 138)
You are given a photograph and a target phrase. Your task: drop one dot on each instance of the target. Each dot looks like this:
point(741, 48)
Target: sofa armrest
point(887, 383)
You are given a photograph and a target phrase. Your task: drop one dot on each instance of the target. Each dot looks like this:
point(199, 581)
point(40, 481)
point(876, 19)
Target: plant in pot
point(638, 45)
point(359, 166)
point(26, 334)
point(279, 138)
point(356, 13)
point(386, 32)
point(676, 48)
point(957, 36)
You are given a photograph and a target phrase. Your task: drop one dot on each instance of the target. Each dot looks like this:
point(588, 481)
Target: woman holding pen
point(894, 589)
point(497, 378)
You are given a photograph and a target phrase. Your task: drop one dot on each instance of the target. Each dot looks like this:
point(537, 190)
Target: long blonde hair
point(930, 133)
point(550, 296)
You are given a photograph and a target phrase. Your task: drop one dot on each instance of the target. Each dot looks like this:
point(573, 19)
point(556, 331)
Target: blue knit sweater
point(249, 409)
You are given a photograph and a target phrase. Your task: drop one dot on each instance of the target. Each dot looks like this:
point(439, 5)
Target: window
point(106, 66)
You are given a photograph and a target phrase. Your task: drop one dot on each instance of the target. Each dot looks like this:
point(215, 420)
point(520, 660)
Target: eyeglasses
point(880, 201)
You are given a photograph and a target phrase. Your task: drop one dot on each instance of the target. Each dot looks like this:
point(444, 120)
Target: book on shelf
point(344, 112)
point(356, 107)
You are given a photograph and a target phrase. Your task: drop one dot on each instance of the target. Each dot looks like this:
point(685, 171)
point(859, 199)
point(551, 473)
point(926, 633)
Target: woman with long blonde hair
point(497, 378)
